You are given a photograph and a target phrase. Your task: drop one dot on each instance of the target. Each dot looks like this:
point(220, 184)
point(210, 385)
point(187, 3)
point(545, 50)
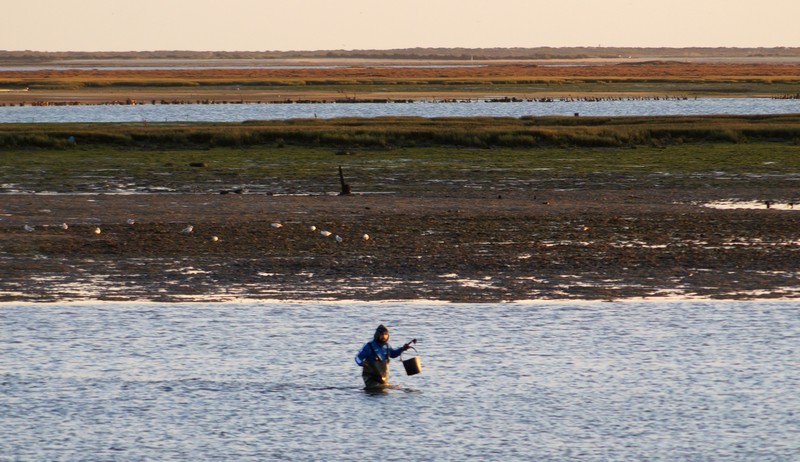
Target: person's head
point(381, 334)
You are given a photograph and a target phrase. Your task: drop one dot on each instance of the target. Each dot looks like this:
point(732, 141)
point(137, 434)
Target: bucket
point(412, 365)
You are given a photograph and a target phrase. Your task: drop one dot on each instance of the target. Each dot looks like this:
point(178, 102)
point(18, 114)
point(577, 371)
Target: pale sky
point(260, 25)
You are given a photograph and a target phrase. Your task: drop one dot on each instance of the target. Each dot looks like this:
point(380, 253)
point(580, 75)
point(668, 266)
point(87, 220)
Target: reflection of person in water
point(374, 358)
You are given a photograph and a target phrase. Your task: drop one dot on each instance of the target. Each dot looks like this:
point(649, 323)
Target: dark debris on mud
point(610, 246)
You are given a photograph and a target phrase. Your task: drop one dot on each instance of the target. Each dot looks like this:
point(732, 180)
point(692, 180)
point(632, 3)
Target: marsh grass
point(405, 155)
point(650, 78)
point(396, 132)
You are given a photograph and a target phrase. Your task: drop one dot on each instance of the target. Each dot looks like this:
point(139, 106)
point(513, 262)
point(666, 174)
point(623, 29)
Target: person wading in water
point(374, 358)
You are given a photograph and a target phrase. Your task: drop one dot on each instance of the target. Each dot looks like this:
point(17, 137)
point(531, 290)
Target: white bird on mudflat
point(97, 230)
point(130, 221)
point(64, 226)
point(276, 225)
point(325, 233)
point(187, 229)
point(214, 239)
point(28, 228)
point(312, 228)
point(365, 237)
point(338, 238)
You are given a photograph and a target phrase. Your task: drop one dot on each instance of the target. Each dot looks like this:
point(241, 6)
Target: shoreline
point(214, 98)
point(204, 97)
point(493, 79)
point(335, 302)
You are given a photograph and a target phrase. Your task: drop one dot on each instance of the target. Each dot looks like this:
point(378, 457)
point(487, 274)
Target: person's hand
point(406, 347)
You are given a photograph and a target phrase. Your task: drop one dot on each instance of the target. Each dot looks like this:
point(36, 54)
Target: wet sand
point(598, 245)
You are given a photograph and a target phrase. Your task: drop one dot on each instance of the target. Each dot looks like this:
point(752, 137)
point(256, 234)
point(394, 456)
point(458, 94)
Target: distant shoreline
point(319, 79)
point(222, 63)
point(534, 53)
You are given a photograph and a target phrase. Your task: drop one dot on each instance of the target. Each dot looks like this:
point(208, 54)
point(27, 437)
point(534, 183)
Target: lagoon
point(243, 112)
point(632, 380)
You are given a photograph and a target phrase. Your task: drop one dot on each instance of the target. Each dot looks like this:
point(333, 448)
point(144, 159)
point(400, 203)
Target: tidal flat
point(473, 221)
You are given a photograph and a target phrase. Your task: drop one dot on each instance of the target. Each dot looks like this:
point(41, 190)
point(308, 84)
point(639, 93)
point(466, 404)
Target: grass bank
point(397, 132)
point(411, 156)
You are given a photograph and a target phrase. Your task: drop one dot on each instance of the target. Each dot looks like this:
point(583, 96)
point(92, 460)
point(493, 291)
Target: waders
point(376, 371)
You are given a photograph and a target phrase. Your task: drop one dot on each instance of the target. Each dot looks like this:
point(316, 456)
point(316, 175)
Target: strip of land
point(397, 83)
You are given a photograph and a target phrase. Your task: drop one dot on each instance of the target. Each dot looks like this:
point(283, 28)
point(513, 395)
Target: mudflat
point(597, 245)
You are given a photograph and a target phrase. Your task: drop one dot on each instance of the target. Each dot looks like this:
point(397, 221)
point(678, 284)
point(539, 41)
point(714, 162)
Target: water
point(242, 112)
point(557, 381)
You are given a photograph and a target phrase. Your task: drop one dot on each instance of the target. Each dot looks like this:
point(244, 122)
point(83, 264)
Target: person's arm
point(395, 352)
point(362, 356)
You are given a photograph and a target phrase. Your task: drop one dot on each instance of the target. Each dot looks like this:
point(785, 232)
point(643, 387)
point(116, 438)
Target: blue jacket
point(373, 348)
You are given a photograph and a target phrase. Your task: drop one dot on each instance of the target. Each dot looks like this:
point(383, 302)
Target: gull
point(64, 226)
point(338, 238)
point(130, 221)
point(325, 233)
point(28, 228)
point(312, 228)
point(276, 225)
point(97, 230)
point(214, 239)
point(187, 229)
point(365, 237)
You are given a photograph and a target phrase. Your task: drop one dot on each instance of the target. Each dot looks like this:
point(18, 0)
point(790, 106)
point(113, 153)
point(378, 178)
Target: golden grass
point(490, 74)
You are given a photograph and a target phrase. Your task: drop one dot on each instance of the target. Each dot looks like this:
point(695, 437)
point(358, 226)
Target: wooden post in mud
point(346, 189)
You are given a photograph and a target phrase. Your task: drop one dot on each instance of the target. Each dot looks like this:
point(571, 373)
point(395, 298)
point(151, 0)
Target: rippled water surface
point(242, 112)
point(556, 381)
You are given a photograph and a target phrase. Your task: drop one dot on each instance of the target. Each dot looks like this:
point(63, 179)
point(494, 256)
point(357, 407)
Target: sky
point(267, 25)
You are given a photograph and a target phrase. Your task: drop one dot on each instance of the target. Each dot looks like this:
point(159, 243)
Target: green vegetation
point(395, 132)
point(412, 156)
point(405, 155)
